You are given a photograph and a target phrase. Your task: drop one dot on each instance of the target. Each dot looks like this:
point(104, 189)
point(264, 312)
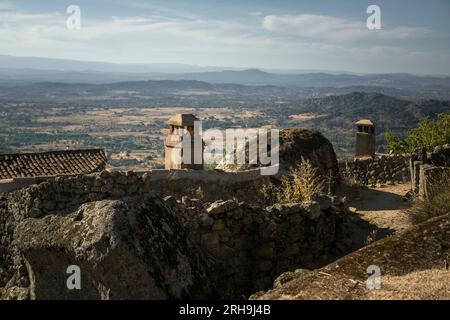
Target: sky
point(291, 34)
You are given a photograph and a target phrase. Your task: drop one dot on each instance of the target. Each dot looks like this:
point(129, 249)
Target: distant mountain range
point(345, 110)
point(21, 70)
point(7, 61)
point(12, 62)
point(167, 93)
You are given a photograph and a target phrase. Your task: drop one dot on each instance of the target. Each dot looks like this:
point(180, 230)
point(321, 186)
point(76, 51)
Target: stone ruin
point(384, 169)
point(368, 168)
point(428, 169)
point(167, 234)
point(422, 169)
point(132, 243)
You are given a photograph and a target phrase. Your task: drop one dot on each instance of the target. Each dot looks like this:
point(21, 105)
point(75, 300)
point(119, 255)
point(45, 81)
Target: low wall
point(428, 171)
point(65, 192)
point(7, 185)
point(383, 169)
point(431, 180)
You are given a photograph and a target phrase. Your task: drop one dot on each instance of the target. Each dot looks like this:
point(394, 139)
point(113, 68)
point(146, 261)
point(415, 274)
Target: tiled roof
point(53, 163)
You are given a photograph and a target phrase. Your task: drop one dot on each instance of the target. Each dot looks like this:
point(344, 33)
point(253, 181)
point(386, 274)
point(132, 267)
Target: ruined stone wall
point(65, 192)
point(249, 245)
point(421, 169)
point(430, 171)
point(6, 233)
point(384, 169)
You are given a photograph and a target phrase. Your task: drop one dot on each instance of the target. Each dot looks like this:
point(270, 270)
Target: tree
point(428, 134)
point(395, 144)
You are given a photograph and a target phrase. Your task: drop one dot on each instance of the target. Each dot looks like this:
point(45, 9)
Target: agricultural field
point(132, 137)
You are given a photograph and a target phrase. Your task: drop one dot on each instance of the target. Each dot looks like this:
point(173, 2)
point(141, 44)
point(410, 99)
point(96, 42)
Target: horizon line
point(273, 70)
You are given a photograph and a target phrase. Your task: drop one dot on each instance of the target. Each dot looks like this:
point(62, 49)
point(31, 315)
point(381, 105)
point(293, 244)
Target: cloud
point(163, 10)
point(321, 27)
point(285, 41)
point(137, 38)
point(6, 5)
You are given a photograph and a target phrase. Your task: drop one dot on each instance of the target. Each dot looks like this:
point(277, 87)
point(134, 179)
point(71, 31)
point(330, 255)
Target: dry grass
point(300, 186)
point(420, 285)
point(413, 266)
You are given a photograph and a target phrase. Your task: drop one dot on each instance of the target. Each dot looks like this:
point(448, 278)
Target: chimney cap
point(183, 119)
point(365, 122)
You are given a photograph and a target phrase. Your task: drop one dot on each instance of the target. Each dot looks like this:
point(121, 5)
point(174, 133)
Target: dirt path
point(383, 206)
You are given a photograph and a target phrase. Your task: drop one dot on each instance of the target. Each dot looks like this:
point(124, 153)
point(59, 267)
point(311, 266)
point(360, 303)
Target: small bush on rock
point(302, 183)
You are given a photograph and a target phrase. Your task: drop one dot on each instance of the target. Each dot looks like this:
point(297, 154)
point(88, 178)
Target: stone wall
point(389, 169)
point(7, 185)
point(431, 180)
point(66, 192)
point(385, 169)
point(6, 233)
point(429, 171)
point(252, 245)
point(249, 245)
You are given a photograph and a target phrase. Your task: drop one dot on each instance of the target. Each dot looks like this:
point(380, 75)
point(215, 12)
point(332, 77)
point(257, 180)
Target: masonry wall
point(6, 232)
point(380, 170)
point(65, 192)
point(430, 171)
point(7, 185)
point(249, 245)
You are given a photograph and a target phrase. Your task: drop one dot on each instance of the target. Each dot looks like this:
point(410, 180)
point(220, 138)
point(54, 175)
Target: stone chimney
point(182, 125)
point(365, 139)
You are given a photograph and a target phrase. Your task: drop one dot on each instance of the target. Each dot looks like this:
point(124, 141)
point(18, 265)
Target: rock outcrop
point(132, 248)
point(311, 145)
point(296, 143)
point(423, 250)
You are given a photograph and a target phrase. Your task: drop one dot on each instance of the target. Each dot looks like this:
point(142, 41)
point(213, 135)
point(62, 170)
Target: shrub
point(428, 134)
point(436, 205)
point(302, 183)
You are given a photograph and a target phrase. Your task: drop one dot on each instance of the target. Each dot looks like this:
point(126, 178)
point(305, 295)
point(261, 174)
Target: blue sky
point(327, 35)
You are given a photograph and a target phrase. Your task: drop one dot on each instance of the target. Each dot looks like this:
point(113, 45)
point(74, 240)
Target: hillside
point(344, 110)
point(33, 69)
point(114, 115)
point(336, 115)
point(408, 261)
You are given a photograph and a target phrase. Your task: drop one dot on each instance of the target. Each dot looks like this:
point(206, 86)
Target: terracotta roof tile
point(53, 163)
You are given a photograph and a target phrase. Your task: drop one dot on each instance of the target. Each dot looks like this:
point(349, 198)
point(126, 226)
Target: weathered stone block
point(221, 206)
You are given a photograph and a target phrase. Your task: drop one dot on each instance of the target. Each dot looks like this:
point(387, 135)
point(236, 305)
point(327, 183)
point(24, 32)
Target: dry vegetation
point(420, 285)
point(413, 263)
point(302, 183)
